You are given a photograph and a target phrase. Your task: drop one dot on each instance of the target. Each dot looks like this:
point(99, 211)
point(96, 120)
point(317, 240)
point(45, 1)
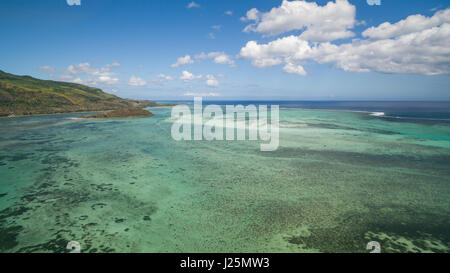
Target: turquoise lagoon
point(339, 180)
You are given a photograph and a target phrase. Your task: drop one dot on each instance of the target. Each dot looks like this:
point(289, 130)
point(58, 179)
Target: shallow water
point(338, 180)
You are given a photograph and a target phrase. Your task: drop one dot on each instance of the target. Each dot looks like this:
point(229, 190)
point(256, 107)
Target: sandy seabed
point(338, 180)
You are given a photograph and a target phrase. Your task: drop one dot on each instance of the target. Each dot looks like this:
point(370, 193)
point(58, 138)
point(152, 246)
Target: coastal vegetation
point(25, 95)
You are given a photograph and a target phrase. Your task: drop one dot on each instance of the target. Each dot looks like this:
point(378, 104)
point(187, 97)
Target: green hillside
point(25, 95)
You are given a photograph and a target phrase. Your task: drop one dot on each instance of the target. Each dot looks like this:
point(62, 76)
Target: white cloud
point(86, 68)
point(229, 12)
point(425, 52)
point(218, 57)
point(191, 94)
point(294, 69)
point(413, 23)
point(192, 5)
point(165, 77)
point(183, 61)
point(47, 68)
point(211, 81)
point(216, 27)
point(105, 80)
point(211, 36)
point(82, 68)
point(73, 2)
point(96, 81)
point(187, 76)
point(273, 53)
point(78, 80)
point(162, 78)
point(252, 15)
point(414, 46)
point(318, 23)
point(223, 59)
point(136, 81)
point(95, 76)
point(112, 65)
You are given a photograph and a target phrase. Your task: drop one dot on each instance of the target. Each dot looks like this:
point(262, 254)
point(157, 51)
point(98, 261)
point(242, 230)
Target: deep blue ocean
point(394, 110)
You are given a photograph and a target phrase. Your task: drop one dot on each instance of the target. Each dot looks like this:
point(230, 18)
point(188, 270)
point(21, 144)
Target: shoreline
point(37, 115)
point(370, 113)
point(82, 112)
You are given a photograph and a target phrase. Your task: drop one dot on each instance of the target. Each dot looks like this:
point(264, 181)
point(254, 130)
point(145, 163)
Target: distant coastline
point(26, 96)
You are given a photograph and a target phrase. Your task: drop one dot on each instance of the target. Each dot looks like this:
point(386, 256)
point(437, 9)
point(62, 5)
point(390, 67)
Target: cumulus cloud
point(416, 45)
point(162, 78)
point(73, 2)
point(272, 53)
point(412, 24)
point(94, 76)
point(252, 15)
point(211, 81)
point(191, 94)
point(86, 68)
point(192, 5)
point(217, 57)
point(294, 69)
point(136, 81)
point(96, 80)
point(82, 68)
point(183, 61)
point(223, 59)
point(111, 65)
point(187, 76)
point(102, 80)
point(318, 23)
point(229, 12)
point(425, 52)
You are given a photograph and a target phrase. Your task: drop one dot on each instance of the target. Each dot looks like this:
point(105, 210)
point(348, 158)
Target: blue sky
point(122, 47)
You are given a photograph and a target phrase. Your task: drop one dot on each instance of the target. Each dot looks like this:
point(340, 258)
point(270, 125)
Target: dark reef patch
point(55, 160)
point(103, 187)
point(350, 235)
point(436, 162)
point(17, 157)
point(8, 237)
point(98, 205)
point(88, 225)
point(8, 230)
point(55, 245)
point(12, 212)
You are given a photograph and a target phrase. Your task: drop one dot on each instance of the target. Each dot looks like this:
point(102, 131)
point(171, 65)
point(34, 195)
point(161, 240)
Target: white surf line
point(377, 114)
